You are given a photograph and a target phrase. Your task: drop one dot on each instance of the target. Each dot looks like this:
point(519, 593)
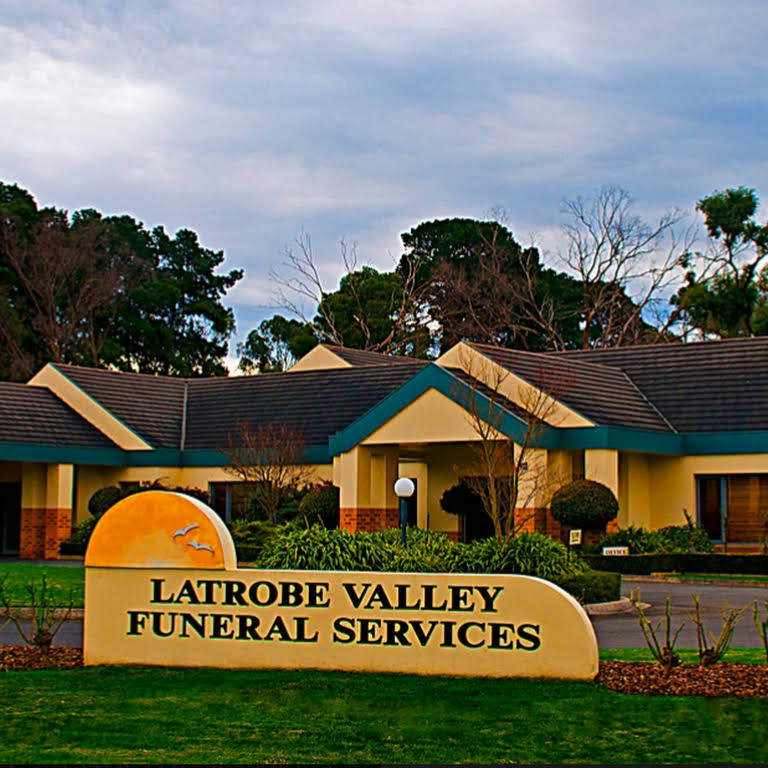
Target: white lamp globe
point(404, 487)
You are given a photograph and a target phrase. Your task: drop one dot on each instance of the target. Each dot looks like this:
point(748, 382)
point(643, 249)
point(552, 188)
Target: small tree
point(584, 504)
point(269, 460)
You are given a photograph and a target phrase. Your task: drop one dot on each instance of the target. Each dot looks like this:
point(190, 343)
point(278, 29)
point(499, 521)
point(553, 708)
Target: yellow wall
point(602, 465)
point(432, 417)
point(319, 358)
point(673, 485)
point(444, 461)
point(33, 482)
point(91, 478)
point(634, 490)
point(10, 472)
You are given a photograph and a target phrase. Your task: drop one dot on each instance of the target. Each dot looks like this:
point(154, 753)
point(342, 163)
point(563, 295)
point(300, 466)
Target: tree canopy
point(106, 292)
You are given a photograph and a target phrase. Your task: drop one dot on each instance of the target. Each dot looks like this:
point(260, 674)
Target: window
point(733, 508)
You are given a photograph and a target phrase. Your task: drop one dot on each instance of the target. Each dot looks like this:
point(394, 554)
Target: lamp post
point(404, 489)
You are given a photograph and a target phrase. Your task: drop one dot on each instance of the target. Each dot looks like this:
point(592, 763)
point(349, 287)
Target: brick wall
point(42, 530)
point(367, 518)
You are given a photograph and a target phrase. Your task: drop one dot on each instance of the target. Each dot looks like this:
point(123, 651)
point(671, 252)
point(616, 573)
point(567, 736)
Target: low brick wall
point(367, 518)
point(42, 531)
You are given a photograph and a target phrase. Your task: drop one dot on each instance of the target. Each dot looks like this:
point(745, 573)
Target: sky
point(250, 122)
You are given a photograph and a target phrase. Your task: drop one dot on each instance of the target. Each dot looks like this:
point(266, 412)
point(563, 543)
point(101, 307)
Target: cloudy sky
point(248, 121)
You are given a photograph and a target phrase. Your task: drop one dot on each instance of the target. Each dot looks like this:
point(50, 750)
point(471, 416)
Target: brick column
point(366, 476)
point(46, 514)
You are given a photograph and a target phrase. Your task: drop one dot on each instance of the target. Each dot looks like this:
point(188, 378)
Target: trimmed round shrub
point(460, 499)
point(321, 504)
point(77, 543)
point(103, 499)
point(584, 504)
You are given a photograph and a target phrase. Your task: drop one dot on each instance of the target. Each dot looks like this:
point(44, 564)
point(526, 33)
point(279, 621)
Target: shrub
point(592, 586)
point(321, 504)
point(460, 499)
point(674, 539)
point(77, 543)
point(584, 504)
point(250, 537)
point(103, 499)
point(318, 548)
point(532, 554)
point(683, 538)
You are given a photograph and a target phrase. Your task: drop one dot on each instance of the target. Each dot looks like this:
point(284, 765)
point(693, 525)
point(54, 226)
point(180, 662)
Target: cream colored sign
point(192, 615)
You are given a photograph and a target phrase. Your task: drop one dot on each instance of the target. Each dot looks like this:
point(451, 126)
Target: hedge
point(592, 586)
point(681, 563)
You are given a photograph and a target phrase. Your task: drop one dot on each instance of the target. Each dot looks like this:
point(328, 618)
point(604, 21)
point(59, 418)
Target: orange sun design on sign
point(161, 529)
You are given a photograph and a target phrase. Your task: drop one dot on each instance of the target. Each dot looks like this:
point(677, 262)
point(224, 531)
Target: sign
point(613, 551)
point(574, 537)
point(162, 587)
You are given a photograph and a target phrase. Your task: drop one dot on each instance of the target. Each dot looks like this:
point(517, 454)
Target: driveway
point(623, 630)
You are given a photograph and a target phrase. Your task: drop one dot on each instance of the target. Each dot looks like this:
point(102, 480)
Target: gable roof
point(603, 394)
point(153, 410)
point(35, 416)
point(357, 357)
point(711, 386)
point(315, 403)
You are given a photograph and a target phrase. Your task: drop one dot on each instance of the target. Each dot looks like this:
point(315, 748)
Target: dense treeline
point(104, 291)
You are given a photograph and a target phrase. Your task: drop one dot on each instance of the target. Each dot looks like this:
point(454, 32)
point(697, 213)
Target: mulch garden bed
point(725, 679)
point(26, 657)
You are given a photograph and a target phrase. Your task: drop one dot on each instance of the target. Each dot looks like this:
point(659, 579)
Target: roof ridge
point(648, 400)
point(546, 356)
point(664, 345)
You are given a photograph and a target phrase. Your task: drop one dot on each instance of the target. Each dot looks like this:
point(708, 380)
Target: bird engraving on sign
point(184, 531)
point(197, 545)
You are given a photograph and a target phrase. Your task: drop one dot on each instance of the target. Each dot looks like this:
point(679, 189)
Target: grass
point(687, 656)
point(60, 579)
point(152, 715)
point(717, 576)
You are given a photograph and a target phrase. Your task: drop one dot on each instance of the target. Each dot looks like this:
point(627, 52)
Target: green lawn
point(60, 579)
point(123, 715)
point(717, 576)
point(688, 656)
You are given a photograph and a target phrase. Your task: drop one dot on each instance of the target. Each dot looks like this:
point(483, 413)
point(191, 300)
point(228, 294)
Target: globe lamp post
point(404, 489)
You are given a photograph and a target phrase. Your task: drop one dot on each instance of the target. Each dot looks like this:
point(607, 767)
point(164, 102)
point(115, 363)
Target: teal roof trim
point(62, 454)
point(434, 377)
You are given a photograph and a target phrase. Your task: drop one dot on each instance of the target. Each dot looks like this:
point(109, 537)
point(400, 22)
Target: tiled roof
point(315, 403)
point(600, 393)
point(701, 387)
point(34, 415)
point(357, 357)
point(151, 406)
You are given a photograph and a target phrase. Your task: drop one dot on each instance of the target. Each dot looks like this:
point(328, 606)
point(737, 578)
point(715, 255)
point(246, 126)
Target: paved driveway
point(623, 630)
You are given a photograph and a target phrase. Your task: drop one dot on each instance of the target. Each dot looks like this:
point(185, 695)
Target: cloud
point(248, 121)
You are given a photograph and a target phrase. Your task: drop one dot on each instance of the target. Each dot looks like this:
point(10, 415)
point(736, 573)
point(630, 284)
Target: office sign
point(162, 587)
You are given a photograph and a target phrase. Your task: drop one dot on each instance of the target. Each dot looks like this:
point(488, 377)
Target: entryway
point(10, 518)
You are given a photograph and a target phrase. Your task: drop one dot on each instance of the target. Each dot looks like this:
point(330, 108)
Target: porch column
point(366, 477)
point(532, 494)
point(46, 509)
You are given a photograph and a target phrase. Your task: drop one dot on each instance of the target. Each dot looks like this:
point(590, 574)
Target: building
point(668, 428)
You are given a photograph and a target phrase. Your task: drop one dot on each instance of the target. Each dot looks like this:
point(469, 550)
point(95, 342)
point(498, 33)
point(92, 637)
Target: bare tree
point(300, 283)
point(507, 474)
point(269, 460)
point(626, 265)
